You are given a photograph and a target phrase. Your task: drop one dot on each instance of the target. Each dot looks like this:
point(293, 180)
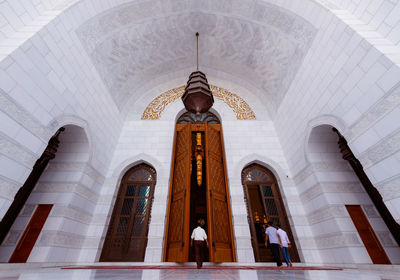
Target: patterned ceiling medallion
point(238, 105)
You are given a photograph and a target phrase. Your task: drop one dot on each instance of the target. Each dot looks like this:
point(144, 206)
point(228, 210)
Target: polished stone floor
point(42, 272)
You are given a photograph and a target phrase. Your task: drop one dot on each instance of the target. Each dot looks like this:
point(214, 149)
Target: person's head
point(270, 224)
point(278, 225)
point(200, 222)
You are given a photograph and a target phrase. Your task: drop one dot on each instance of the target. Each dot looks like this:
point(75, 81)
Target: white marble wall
point(47, 81)
point(347, 79)
point(381, 16)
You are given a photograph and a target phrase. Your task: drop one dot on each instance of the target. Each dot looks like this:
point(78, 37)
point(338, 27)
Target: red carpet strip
point(239, 267)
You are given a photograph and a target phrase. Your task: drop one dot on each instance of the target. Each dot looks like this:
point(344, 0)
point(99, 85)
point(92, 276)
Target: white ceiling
point(252, 40)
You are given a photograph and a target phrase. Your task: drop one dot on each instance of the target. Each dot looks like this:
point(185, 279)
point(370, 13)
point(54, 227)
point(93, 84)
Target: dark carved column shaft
point(24, 192)
point(373, 193)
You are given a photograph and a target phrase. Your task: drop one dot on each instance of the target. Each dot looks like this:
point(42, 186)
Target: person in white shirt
point(272, 237)
point(198, 239)
point(285, 244)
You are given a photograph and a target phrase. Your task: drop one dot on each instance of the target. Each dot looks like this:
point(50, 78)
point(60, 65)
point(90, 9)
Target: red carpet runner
point(204, 267)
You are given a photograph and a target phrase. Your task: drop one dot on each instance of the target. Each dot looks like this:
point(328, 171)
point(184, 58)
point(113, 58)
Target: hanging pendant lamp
point(198, 97)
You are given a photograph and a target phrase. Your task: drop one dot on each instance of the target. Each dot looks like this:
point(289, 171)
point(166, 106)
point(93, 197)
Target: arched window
point(264, 203)
point(126, 238)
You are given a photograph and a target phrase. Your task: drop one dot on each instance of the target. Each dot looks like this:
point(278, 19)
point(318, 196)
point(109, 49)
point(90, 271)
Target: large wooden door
point(218, 209)
point(177, 247)
point(367, 234)
point(31, 234)
point(126, 238)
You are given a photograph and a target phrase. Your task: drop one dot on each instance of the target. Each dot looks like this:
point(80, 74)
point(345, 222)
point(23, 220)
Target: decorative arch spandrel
point(238, 105)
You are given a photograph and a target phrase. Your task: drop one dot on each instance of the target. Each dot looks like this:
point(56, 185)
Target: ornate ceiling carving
point(256, 41)
point(236, 103)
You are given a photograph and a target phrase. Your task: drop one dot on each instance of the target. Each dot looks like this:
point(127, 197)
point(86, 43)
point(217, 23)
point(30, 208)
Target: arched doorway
point(199, 190)
point(343, 205)
point(126, 238)
point(55, 194)
point(264, 203)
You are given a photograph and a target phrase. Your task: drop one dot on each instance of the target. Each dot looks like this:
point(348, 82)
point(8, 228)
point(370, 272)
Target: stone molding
point(390, 101)
point(19, 153)
point(94, 174)
point(67, 187)
point(66, 166)
point(91, 242)
point(386, 147)
point(28, 210)
point(338, 240)
point(328, 213)
point(23, 117)
point(331, 166)
point(306, 243)
point(325, 166)
point(79, 167)
point(337, 187)
point(8, 189)
point(12, 238)
point(50, 238)
point(240, 107)
point(389, 189)
point(100, 218)
point(386, 239)
point(72, 213)
point(303, 174)
point(370, 211)
point(296, 221)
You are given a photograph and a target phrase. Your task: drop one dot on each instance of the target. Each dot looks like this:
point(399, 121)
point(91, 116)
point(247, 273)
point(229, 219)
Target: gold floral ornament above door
point(236, 103)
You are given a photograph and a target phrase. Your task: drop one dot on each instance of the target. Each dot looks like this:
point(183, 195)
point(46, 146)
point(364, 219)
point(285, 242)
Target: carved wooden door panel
point(218, 209)
point(367, 234)
point(31, 234)
point(126, 238)
point(177, 245)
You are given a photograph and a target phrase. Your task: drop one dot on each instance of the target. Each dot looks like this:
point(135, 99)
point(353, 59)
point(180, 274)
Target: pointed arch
point(126, 238)
point(64, 120)
point(264, 203)
point(330, 120)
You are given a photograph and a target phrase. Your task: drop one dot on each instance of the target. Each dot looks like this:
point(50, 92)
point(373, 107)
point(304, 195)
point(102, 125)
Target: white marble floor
point(43, 272)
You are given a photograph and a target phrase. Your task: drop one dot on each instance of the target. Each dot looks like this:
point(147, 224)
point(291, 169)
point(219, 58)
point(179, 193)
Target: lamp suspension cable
point(197, 49)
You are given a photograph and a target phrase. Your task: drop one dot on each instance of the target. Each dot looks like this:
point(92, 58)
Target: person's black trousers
point(198, 249)
point(275, 251)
